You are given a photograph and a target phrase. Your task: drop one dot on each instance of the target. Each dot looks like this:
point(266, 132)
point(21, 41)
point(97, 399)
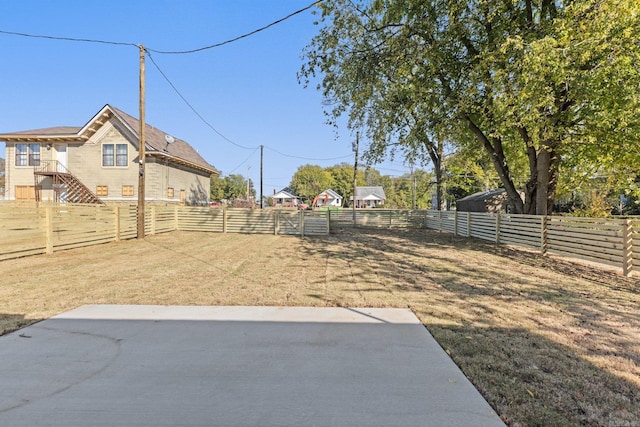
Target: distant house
point(99, 163)
point(285, 198)
point(328, 198)
point(369, 197)
point(484, 201)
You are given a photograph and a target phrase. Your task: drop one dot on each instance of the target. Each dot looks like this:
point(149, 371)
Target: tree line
point(410, 190)
point(542, 92)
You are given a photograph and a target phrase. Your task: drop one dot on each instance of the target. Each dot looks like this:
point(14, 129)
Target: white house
point(285, 198)
point(369, 197)
point(328, 198)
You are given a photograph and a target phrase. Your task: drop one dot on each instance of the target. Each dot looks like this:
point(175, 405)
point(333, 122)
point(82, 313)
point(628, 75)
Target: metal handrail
point(51, 166)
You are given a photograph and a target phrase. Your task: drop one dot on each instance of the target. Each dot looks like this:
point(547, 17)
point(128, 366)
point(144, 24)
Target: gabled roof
point(370, 193)
point(285, 193)
point(483, 195)
point(52, 132)
point(332, 194)
point(156, 145)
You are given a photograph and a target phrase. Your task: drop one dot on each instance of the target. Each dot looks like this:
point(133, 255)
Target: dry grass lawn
point(546, 342)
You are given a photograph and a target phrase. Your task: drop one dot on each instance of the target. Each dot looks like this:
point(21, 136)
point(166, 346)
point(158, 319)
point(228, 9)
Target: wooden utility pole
point(355, 175)
point(248, 191)
point(261, 157)
point(141, 151)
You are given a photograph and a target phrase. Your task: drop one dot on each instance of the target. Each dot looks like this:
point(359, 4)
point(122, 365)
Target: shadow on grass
point(532, 381)
point(533, 334)
point(13, 322)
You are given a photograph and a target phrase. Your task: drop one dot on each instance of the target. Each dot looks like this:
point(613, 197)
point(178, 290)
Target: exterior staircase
point(66, 186)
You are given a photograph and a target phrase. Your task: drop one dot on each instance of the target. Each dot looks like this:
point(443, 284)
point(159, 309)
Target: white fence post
point(498, 227)
point(455, 223)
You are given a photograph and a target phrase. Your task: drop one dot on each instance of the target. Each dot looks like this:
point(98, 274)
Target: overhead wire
point(192, 107)
point(182, 52)
point(243, 162)
point(173, 86)
point(177, 52)
point(306, 158)
point(70, 39)
point(184, 99)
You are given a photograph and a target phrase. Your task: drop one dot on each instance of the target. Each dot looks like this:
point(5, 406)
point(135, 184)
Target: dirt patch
point(547, 342)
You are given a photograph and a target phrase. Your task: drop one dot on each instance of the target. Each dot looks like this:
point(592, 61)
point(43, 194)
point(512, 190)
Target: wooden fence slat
point(29, 229)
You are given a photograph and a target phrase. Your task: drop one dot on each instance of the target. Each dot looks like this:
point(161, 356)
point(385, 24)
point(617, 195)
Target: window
point(21, 154)
point(107, 155)
point(122, 155)
point(34, 154)
point(170, 193)
point(28, 155)
point(115, 155)
point(102, 190)
point(127, 190)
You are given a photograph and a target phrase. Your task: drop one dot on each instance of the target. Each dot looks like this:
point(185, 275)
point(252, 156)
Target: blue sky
point(247, 90)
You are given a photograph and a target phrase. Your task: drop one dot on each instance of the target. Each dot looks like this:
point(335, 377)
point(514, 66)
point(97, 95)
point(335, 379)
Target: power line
point(220, 134)
point(306, 158)
point(245, 161)
point(182, 52)
point(83, 40)
point(71, 39)
point(193, 108)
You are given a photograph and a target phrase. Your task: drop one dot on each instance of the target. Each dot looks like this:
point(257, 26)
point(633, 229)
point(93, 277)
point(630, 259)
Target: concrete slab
point(233, 366)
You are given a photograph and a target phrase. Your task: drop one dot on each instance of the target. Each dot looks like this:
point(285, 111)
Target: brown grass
point(546, 342)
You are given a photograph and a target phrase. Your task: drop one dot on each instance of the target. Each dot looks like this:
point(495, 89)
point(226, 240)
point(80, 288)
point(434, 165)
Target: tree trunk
point(436, 153)
point(441, 203)
point(531, 185)
point(494, 149)
point(542, 182)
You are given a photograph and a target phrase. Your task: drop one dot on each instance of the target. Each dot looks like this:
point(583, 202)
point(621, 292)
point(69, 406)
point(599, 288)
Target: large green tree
point(231, 187)
point(409, 191)
point(544, 87)
point(217, 187)
point(342, 175)
point(310, 180)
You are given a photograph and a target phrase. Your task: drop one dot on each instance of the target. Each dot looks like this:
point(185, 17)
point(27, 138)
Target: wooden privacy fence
point(615, 242)
point(28, 230)
point(377, 218)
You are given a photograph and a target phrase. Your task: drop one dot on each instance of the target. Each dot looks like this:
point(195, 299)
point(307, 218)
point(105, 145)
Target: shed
point(484, 201)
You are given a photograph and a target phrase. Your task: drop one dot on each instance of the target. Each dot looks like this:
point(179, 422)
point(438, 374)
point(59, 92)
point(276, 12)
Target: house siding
point(84, 160)
point(23, 175)
point(161, 176)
